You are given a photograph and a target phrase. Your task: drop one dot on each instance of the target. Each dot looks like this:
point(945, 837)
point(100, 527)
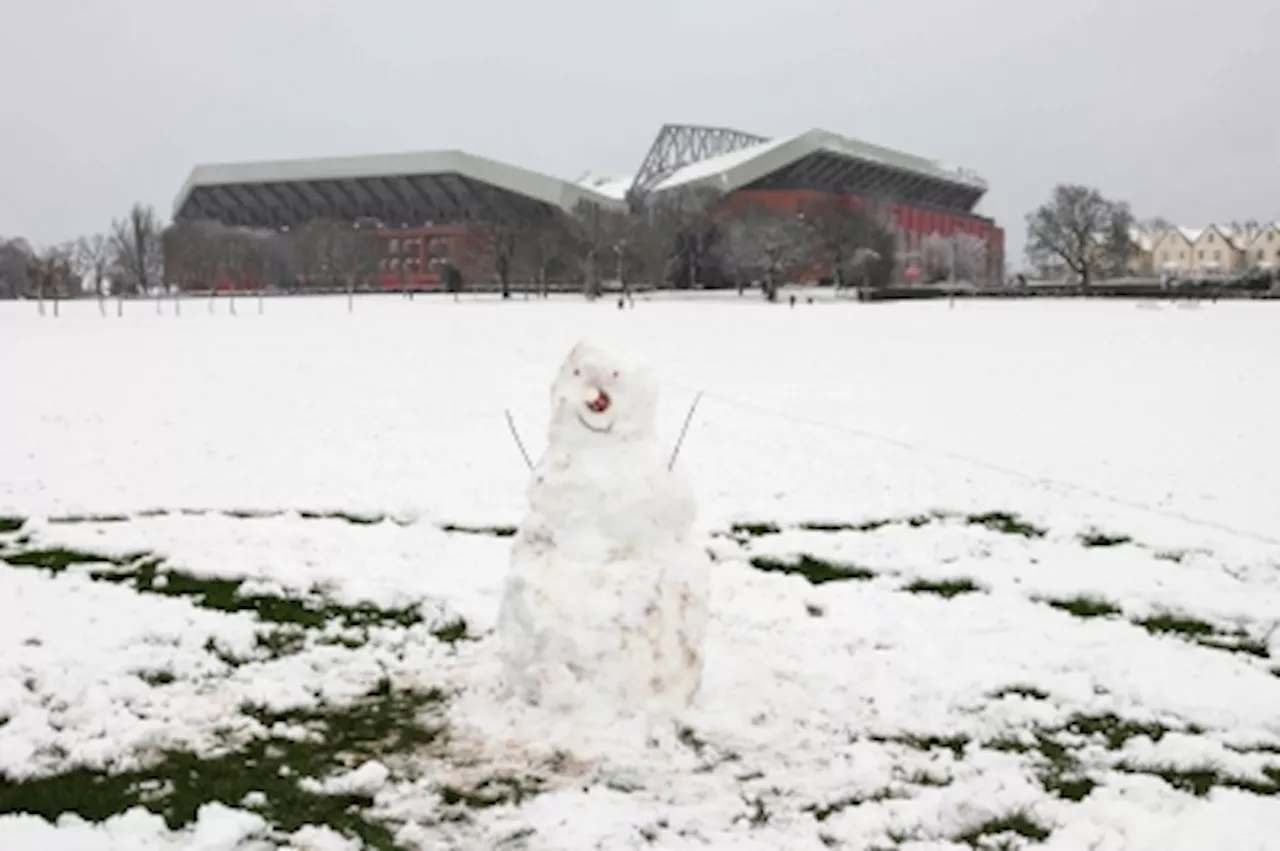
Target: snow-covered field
point(997, 575)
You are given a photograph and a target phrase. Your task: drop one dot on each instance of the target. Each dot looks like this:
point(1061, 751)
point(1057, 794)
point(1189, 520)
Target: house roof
point(540, 187)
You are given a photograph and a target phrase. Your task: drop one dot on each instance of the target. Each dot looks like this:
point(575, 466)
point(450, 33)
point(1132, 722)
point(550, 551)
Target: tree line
point(683, 238)
point(689, 238)
point(1093, 237)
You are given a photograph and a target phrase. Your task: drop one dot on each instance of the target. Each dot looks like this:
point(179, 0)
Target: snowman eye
point(615, 373)
point(577, 372)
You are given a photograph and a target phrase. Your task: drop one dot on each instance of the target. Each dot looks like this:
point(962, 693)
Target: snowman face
point(601, 394)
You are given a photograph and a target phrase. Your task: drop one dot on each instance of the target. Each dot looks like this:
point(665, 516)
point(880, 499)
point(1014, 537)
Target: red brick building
point(426, 208)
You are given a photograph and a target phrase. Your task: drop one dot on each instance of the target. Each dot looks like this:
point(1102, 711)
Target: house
point(1218, 251)
point(1141, 260)
point(1263, 249)
point(1173, 252)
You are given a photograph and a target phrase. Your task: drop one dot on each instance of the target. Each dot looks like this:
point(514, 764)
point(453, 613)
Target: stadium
point(425, 206)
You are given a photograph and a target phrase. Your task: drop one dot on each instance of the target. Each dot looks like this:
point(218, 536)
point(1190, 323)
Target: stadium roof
point(370, 179)
point(738, 168)
point(749, 159)
point(411, 189)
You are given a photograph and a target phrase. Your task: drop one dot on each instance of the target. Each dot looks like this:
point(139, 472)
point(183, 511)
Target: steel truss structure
point(679, 145)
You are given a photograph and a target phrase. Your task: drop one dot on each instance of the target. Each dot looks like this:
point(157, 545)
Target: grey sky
point(1170, 105)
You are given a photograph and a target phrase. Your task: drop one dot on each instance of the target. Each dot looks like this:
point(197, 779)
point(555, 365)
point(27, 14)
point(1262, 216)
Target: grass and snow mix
point(996, 576)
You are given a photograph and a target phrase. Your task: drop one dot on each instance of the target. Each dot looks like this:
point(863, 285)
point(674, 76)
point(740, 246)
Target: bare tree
point(544, 244)
point(847, 236)
point(771, 244)
point(596, 232)
point(1089, 233)
point(969, 255)
point(92, 257)
point(15, 257)
point(497, 245)
point(935, 258)
point(138, 257)
point(691, 213)
point(653, 238)
point(235, 251)
point(52, 271)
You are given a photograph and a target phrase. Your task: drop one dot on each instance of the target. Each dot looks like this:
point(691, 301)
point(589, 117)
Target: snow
point(713, 166)
point(612, 187)
point(329, 458)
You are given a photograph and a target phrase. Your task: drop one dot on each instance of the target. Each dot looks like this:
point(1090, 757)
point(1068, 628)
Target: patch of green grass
point(754, 530)
point(57, 559)
point(384, 723)
point(946, 588)
point(147, 573)
point(250, 513)
point(1113, 729)
point(11, 524)
point(1096, 538)
point(1006, 523)
point(492, 791)
point(1200, 781)
point(453, 632)
point(816, 571)
point(1056, 767)
point(1238, 642)
point(924, 778)
point(1020, 690)
point(1085, 606)
point(357, 519)
point(824, 811)
point(90, 518)
point(156, 678)
point(1061, 773)
point(1168, 622)
point(492, 531)
point(1018, 823)
point(955, 744)
point(147, 576)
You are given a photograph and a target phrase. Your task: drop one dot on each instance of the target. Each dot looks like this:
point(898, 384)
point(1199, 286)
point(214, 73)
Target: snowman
point(606, 601)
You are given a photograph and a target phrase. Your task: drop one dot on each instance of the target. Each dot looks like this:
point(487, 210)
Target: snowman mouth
point(605, 429)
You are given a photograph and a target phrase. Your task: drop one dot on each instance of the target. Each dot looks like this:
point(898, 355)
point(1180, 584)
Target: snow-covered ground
point(994, 573)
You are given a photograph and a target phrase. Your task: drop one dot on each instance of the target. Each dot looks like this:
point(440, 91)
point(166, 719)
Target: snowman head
point(601, 395)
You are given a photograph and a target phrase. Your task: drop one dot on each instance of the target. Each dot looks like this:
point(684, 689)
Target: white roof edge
point(774, 156)
point(542, 187)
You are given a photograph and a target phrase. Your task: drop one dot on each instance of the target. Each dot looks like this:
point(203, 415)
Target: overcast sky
point(1171, 105)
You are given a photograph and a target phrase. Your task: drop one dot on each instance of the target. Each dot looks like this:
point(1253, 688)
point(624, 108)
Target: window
point(1182, 255)
point(1200, 254)
point(393, 247)
point(1164, 257)
point(1271, 235)
point(1210, 238)
point(1261, 254)
point(1217, 255)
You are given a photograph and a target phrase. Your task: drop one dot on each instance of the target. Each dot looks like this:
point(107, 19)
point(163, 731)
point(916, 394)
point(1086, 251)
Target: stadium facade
point(424, 207)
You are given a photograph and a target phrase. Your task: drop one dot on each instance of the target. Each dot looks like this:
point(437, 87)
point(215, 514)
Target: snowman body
point(606, 599)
